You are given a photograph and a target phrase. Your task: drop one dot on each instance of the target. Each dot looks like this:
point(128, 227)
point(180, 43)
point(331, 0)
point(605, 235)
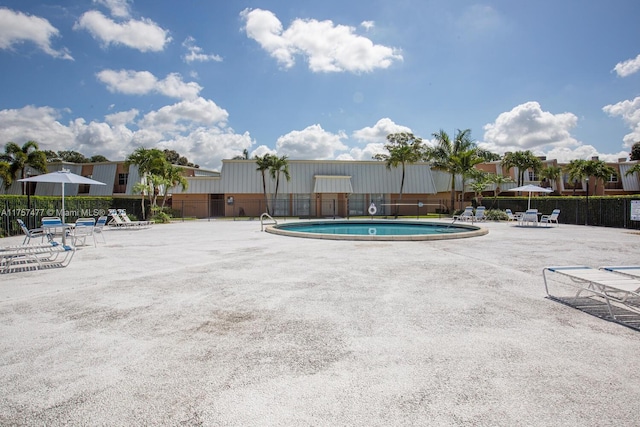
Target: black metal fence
point(596, 211)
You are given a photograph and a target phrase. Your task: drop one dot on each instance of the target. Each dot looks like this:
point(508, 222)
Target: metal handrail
point(262, 220)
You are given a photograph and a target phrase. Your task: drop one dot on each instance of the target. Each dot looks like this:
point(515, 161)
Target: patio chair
point(510, 215)
point(529, 217)
point(98, 230)
point(479, 216)
point(467, 215)
point(83, 229)
point(30, 233)
point(548, 219)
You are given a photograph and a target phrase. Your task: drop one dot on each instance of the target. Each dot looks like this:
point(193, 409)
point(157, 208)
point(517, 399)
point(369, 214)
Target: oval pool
point(376, 230)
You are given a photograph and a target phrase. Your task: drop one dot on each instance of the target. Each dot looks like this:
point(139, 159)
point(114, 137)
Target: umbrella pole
point(62, 203)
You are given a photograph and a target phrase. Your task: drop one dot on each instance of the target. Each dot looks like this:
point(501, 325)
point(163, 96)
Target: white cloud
point(122, 118)
point(312, 142)
point(39, 124)
point(132, 82)
point(327, 47)
point(628, 67)
point(367, 25)
point(195, 53)
point(118, 8)
point(185, 115)
point(528, 127)
point(630, 113)
point(144, 35)
point(378, 132)
point(17, 27)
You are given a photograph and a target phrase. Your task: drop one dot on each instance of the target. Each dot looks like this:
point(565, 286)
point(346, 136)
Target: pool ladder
point(262, 217)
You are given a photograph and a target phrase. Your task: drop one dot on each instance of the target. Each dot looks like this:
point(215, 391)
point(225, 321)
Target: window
point(613, 177)
point(533, 176)
point(123, 178)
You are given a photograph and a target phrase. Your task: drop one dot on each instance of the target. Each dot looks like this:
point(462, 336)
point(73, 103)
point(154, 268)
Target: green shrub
point(496, 215)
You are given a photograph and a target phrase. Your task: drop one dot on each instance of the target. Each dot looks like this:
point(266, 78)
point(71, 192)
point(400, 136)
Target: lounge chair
point(617, 291)
point(629, 270)
point(83, 229)
point(34, 257)
point(127, 220)
point(466, 215)
point(530, 217)
point(548, 219)
point(479, 216)
point(30, 233)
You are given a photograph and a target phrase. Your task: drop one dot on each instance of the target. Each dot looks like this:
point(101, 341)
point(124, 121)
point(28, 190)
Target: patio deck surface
point(216, 323)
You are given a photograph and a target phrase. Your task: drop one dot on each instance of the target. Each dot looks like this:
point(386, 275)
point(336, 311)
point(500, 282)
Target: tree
point(72, 156)
point(634, 169)
point(553, 174)
point(467, 161)
point(98, 158)
point(277, 166)
point(403, 149)
point(445, 156)
point(264, 163)
point(523, 161)
point(497, 180)
point(5, 175)
point(21, 157)
point(635, 151)
point(601, 172)
point(150, 163)
point(582, 170)
point(243, 156)
point(172, 178)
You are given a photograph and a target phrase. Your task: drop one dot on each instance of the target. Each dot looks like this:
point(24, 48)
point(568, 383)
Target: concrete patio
point(215, 323)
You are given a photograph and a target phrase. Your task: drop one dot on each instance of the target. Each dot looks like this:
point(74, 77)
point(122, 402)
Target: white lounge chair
point(127, 220)
point(548, 219)
point(510, 215)
point(466, 215)
point(628, 270)
point(617, 291)
point(530, 217)
point(479, 215)
point(30, 233)
point(34, 257)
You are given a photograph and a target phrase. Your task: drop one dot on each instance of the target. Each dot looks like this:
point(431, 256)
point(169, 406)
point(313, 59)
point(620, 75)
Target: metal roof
point(332, 184)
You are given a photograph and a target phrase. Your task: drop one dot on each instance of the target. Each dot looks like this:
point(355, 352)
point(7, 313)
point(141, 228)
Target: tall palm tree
point(522, 160)
point(444, 156)
point(466, 161)
point(497, 180)
point(601, 172)
point(21, 157)
point(5, 175)
point(150, 162)
point(279, 165)
point(403, 148)
point(264, 163)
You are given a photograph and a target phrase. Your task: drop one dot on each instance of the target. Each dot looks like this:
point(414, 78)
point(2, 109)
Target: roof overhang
point(332, 184)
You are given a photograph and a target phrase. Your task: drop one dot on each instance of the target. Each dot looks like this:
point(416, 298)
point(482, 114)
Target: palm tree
point(264, 163)
point(497, 180)
point(21, 157)
point(601, 172)
point(278, 165)
point(445, 155)
point(150, 163)
point(578, 171)
point(467, 161)
point(173, 177)
point(634, 169)
point(522, 160)
point(403, 148)
point(553, 174)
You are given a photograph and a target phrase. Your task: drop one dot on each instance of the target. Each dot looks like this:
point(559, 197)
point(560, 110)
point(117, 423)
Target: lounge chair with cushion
point(30, 233)
point(548, 219)
point(620, 293)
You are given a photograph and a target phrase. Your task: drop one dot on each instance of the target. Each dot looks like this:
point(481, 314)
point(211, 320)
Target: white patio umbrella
point(530, 188)
point(63, 177)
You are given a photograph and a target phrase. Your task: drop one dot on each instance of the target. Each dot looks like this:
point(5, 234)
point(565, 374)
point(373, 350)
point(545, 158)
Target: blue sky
point(319, 80)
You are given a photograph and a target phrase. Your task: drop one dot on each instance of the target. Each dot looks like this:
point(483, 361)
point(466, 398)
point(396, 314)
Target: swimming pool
point(376, 230)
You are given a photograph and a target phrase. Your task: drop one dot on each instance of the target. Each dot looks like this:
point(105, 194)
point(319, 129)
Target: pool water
point(376, 230)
